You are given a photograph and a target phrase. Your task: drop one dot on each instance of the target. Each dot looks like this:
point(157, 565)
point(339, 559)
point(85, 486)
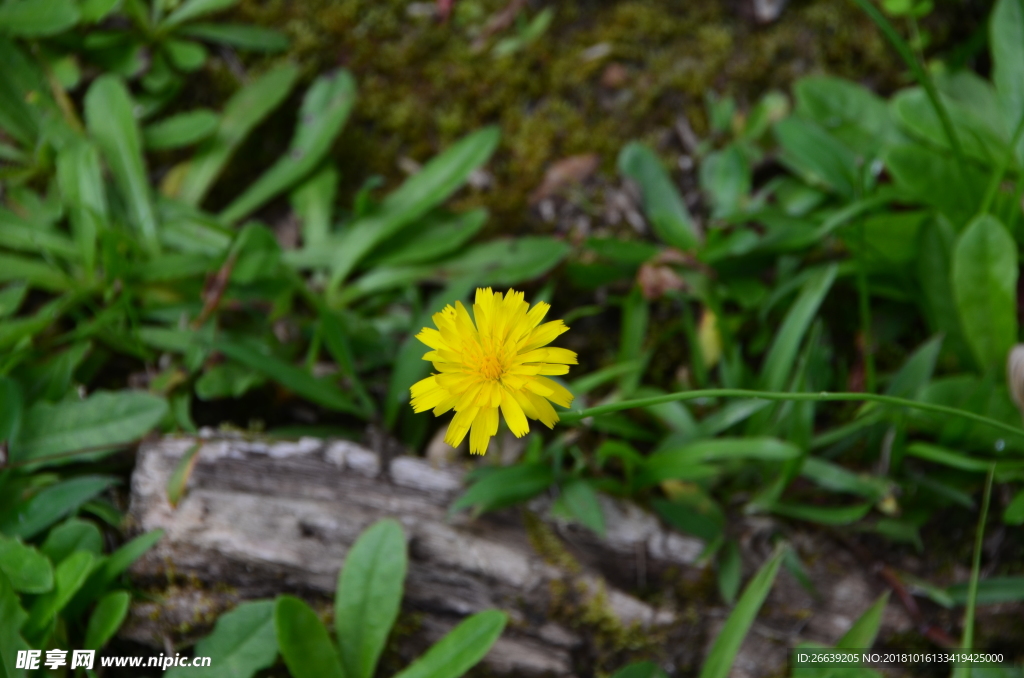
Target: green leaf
point(1014, 513)
point(193, 9)
point(305, 646)
point(37, 18)
point(438, 234)
point(27, 569)
point(1006, 37)
point(18, 77)
point(664, 207)
point(183, 129)
point(425, 190)
point(324, 111)
point(991, 591)
point(242, 36)
point(730, 571)
point(692, 512)
point(985, 286)
point(11, 297)
point(243, 111)
point(781, 358)
point(725, 177)
point(847, 110)
point(68, 578)
point(945, 457)
point(73, 535)
point(824, 515)
point(106, 619)
point(916, 371)
point(369, 596)
point(579, 497)
point(816, 156)
point(461, 649)
point(934, 266)
point(505, 262)
point(727, 644)
point(103, 420)
point(838, 479)
point(242, 643)
point(979, 140)
point(178, 480)
point(506, 486)
point(107, 572)
point(108, 114)
point(80, 178)
point(186, 56)
point(11, 641)
point(640, 670)
point(313, 202)
point(50, 504)
point(862, 634)
point(94, 11)
point(226, 380)
point(255, 357)
point(934, 178)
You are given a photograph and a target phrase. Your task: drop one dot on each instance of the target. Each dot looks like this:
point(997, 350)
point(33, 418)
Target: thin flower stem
point(920, 75)
point(824, 396)
point(972, 587)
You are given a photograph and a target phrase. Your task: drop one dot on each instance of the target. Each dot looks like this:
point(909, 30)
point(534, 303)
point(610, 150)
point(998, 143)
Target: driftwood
point(260, 517)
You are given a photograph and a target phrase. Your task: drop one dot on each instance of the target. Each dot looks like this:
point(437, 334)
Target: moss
point(422, 85)
point(548, 546)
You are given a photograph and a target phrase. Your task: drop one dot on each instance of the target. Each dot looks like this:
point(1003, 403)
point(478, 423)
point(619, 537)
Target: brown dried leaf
point(565, 172)
point(655, 280)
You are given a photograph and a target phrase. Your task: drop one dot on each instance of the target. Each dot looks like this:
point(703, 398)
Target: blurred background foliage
point(221, 213)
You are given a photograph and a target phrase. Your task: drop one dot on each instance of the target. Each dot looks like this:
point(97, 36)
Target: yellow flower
point(497, 363)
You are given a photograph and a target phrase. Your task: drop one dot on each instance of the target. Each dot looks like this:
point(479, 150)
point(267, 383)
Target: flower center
point(490, 367)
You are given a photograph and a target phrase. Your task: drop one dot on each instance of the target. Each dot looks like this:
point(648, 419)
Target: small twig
point(213, 291)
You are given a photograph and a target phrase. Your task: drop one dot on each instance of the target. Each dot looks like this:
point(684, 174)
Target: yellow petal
point(482, 430)
point(549, 354)
point(543, 335)
point(559, 394)
point(545, 412)
point(514, 415)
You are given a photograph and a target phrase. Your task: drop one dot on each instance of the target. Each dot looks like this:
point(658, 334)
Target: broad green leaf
point(979, 141)
point(10, 639)
point(725, 177)
point(243, 111)
point(50, 504)
point(105, 419)
point(111, 122)
point(323, 113)
point(37, 18)
point(428, 188)
point(257, 254)
point(106, 619)
point(730, 571)
point(1014, 513)
point(1006, 37)
point(304, 384)
point(193, 9)
point(779, 362)
point(506, 486)
point(369, 596)
point(934, 266)
point(185, 55)
point(580, 499)
point(113, 566)
point(80, 178)
point(68, 578)
point(27, 569)
point(664, 207)
point(985, 287)
point(692, 512)
point(11, 297)
point(183, 129)
point(302, 638)
point(825, 515)
point(313, 202)
point(73, 535)
point(242, 36)
point(847, 110)
point(862, 634)
point(52, 379)
point(505, 262)
point(727, 644)
point(227, 380)
point(933, 177)
point(94, 11)
point(991, 591)
point(461, 649)
point(816, 156)
point(242, 642)
point(640, 670)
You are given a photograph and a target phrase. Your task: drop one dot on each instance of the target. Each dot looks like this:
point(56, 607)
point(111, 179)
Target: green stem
point(997, 176)
point(972, 588)
point(920, 75)
point(823, 396)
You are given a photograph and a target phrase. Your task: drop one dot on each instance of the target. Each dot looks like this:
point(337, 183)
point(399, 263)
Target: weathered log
point(262, 517)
